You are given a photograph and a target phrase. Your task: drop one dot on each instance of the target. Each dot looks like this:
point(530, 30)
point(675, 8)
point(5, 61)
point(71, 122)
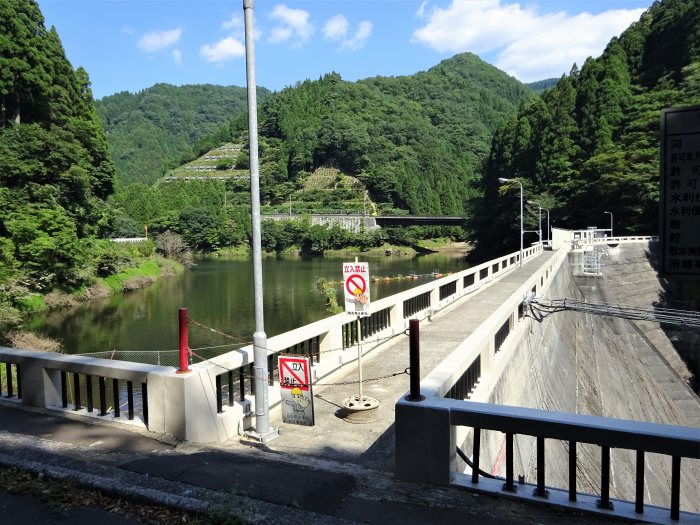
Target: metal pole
point(414, 359)
point(359, 356)
point(184, 346)
point(549, 231)
point(522, 229)
point(539, 209)
point(611, 222)
point(262, 417)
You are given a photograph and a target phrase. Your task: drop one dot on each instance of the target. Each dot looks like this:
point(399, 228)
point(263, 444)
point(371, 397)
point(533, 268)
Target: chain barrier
point(342, 383)
point(172, 355)
point(405, 371)
point(273, 351)
point(237, 339)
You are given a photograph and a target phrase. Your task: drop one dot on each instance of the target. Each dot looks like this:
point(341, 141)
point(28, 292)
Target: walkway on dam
point(334, 472)
point(371, 445)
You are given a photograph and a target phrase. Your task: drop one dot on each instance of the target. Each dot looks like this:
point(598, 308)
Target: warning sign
point(356, 286)
point(296, 391)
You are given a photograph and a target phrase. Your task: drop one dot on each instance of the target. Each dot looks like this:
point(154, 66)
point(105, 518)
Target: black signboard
point(679, 236)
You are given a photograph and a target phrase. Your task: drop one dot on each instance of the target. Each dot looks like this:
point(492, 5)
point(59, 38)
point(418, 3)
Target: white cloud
point(336, 28)
point(159, 40)
point(360, 37)
point(421, 10)
point(528, 44)
point(235, 22)
point(292, 23)
point(225, 49)
point(177, 56)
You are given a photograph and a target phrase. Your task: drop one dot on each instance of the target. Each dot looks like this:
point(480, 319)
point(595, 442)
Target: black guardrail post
point(414, 359)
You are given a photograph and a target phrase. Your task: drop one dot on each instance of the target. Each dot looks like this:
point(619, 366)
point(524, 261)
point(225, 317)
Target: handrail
point(597, 430)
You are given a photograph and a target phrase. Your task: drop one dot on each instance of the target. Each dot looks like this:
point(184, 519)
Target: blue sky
point(129, 45)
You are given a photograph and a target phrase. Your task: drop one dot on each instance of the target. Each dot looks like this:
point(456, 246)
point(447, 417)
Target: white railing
point(626, 239)
point(189, 410)
point(128, 239)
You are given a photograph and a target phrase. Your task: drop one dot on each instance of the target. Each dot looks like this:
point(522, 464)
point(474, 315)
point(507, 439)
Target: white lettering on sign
point(679, 237)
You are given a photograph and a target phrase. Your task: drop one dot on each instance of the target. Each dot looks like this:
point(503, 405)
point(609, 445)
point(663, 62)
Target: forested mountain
point(540, 85)
point(55, 167)
point(416, 142)
point(154, 129)
point(591, 143)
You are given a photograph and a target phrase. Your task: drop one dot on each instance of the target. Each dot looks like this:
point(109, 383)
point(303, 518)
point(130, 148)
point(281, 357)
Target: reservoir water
point(218, 293)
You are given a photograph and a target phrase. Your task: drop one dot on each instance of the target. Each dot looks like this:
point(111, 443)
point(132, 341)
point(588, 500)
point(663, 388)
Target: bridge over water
point(485, 366)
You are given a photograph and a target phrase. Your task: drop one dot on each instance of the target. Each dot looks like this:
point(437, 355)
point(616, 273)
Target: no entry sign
point(356, 287)
point(295, 389)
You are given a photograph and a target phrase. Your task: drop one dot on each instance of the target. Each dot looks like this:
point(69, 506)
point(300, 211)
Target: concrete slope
point(589, 364)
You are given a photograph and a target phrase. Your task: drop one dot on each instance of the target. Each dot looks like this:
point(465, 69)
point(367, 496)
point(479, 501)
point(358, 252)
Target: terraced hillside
point(226, 161)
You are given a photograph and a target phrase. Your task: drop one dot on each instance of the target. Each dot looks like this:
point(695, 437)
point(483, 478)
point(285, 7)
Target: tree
point(46, 244)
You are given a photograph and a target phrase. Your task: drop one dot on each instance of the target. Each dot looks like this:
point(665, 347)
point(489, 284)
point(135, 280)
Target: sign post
point(359, 409)
point(296, 391)
point(356, 288)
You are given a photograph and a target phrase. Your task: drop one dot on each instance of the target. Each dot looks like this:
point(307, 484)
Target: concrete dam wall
point(590, 364)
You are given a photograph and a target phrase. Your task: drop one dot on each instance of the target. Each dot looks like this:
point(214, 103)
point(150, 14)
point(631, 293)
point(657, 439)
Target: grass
point(32, 303)
point(147, 268)
point(435, 243)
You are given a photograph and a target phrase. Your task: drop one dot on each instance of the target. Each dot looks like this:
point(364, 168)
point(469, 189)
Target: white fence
point(190, 406)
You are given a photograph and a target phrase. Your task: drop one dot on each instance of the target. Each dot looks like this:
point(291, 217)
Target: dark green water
point(219, 293)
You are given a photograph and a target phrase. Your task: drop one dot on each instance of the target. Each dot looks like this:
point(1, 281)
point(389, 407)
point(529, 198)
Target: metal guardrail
point(676, 442)
point(430, 454)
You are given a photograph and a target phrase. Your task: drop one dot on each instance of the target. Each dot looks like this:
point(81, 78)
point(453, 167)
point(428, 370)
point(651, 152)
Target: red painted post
point(414, 360)
point(184, 347)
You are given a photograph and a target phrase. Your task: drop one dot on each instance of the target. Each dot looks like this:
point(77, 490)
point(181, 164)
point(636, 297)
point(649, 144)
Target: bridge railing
point(212, 402)
point(333, 341)
point(430, 434)
point(122, 240)
point(77, 383)
point(625, 239)
point(440, 418)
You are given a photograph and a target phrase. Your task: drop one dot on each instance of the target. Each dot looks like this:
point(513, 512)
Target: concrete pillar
point(425, 443)
point(41, 387)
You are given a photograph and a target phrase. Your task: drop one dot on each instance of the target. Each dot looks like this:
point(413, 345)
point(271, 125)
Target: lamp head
point(503, 181)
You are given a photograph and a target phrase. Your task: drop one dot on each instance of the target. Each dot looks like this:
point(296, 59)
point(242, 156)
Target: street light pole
point(505, 181)
point(611, 222)
point(539, 211)
point(262, 433)
point(549, 232)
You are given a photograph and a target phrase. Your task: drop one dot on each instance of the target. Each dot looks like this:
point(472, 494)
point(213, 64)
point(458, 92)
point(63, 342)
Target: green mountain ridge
point(155, 129)
point(416, 142)
point(591, 143)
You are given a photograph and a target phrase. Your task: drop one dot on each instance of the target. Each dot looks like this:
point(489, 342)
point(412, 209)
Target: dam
point(478, 346)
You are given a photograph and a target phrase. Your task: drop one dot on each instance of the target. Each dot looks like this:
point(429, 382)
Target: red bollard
point(184, 347)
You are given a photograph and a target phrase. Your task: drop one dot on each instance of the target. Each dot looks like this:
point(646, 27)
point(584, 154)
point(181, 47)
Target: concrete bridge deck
point(328, 473)
point(372, 444)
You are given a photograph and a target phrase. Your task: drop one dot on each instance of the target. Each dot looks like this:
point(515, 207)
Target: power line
point(540, 307)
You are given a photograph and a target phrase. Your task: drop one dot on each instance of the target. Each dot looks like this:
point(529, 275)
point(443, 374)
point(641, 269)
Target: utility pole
point(262, 432)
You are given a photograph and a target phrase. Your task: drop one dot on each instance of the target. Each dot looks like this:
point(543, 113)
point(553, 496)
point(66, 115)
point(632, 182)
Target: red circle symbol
point(355, 282)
